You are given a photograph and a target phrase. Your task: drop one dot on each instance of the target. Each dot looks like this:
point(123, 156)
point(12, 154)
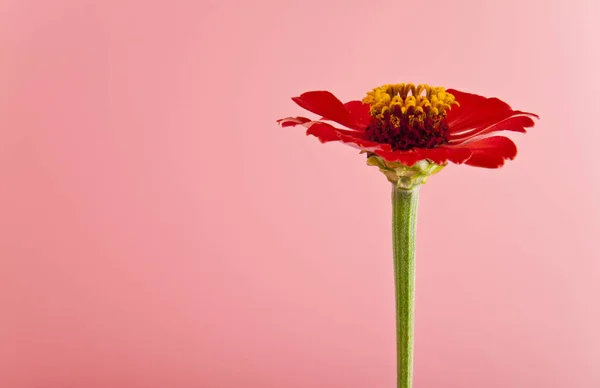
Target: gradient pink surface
point(158, 229)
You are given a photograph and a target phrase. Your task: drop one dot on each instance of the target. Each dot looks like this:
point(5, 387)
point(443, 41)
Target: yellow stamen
point(408, 99)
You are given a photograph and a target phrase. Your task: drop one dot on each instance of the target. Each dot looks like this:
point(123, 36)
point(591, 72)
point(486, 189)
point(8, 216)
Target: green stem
point(404, 223)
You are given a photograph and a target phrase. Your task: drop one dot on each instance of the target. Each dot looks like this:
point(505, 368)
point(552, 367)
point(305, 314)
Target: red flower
point(408, 123)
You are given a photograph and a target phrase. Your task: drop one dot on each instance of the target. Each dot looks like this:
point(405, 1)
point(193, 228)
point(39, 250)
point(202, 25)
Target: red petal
point(491, 152)
point(516, 124)
point(407, 158)
point(476, 112)
point(327, 133)
point(360, 112)
point(292, 121)
point(443, 154)
point(327, 105)
point(437, 155)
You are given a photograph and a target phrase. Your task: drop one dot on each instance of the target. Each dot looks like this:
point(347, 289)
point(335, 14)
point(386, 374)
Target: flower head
point(408, 116)
point(416, 127)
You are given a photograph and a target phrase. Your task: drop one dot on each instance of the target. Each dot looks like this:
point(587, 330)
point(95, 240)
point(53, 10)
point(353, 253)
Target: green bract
point(405, 177)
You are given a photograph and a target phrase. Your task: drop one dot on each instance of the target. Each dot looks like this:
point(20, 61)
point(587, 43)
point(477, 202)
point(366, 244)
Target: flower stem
point(404, 222)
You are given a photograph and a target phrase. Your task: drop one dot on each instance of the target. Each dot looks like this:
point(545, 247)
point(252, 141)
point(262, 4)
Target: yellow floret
point(422, 98)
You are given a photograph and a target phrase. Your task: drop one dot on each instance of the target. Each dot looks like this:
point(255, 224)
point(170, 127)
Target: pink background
point(157, 229)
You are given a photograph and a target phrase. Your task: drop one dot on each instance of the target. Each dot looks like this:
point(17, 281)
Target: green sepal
point(404, 177)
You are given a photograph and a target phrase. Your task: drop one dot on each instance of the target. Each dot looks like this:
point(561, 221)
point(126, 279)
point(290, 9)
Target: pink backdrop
point(157, 229)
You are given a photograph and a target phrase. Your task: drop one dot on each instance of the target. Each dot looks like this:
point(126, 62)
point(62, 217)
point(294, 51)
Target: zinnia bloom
point(406, 124)
point(411, 132)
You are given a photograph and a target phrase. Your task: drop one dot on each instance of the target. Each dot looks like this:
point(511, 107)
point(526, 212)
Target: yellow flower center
point(408, 116)
point(409, 99)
